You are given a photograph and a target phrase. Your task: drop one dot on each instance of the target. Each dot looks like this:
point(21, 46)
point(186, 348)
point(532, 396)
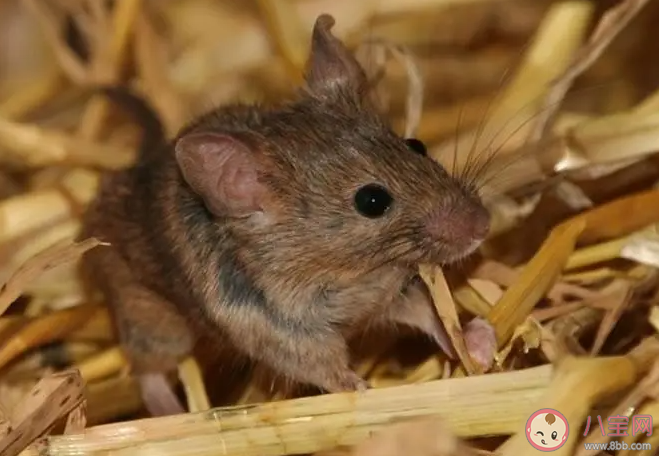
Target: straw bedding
point(555, 103)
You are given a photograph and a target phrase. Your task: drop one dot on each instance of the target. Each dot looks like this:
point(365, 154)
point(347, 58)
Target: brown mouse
point(283, 230)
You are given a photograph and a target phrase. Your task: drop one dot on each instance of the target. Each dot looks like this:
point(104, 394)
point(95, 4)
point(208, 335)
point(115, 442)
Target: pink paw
point(481, 342)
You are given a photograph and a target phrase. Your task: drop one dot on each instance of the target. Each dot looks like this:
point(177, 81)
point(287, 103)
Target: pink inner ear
point(223, 171)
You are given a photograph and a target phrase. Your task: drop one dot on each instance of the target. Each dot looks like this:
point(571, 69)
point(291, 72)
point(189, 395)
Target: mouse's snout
point(460, 227)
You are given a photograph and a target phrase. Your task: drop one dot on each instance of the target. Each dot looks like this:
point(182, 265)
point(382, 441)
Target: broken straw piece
point(446, 311)
point(33, 146)
point(48, 259)
point(54, 397)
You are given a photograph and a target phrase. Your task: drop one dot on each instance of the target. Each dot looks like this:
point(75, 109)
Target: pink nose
point(460, 224)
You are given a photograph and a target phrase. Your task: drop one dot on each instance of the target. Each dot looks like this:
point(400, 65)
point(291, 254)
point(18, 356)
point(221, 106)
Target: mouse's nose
point(461, 224)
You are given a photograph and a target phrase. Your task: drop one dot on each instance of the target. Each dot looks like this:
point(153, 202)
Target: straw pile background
point(568, 277)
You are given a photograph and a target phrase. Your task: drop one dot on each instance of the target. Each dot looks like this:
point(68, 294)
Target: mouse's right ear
point(223, 171)
point(332, 69)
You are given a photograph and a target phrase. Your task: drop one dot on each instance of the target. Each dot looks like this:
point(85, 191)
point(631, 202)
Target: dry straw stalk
point(493, 404)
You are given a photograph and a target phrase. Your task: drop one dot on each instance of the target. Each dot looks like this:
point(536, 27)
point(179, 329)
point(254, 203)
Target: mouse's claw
point(346, 382)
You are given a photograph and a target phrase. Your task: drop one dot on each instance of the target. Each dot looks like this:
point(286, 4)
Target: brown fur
point(289, 284)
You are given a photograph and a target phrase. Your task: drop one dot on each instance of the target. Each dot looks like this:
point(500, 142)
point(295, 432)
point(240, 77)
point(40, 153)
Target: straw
point(549, 110)
point(312, 424)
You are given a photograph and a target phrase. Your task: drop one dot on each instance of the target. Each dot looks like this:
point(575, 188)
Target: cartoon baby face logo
point(547, 430)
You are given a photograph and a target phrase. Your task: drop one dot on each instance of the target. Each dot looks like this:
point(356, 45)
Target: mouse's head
point(326, 181)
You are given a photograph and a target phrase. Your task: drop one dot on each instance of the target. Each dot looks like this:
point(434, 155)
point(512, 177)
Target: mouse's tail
point(153, 136)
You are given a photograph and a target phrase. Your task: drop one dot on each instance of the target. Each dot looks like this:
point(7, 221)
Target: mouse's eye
point(372, 201)
point(416, 145)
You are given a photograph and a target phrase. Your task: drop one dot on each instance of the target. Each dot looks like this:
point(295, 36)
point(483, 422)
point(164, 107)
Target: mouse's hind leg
point(155, 338)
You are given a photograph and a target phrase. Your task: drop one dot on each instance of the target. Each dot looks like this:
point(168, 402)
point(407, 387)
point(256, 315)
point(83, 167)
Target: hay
point(552, 105)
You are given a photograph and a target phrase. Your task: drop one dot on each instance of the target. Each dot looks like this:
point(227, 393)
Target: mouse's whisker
point(456, 142)
point(399, 238)
point(505, 78)
point(495, 191)
point(479, 131)
point(471, 165)
point(396, 240)
point(490, 169)
point(477, 171)
point(493, 151)
point(391, 260)
point(473, 174)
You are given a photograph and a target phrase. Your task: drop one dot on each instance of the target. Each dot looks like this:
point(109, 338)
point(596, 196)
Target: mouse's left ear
point(332, 69)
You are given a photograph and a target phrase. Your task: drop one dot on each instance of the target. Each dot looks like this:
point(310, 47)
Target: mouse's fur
point(245, 226)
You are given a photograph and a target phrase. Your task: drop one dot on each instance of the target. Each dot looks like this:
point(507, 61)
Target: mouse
point(280, 229)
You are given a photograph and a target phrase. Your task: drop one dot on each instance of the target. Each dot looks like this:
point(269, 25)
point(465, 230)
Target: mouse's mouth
point(447, 252)
point(543, 441)
point(461, 253)
point(441, 252)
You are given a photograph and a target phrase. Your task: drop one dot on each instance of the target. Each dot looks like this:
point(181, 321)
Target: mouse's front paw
point(347, 381)
point(481, 341)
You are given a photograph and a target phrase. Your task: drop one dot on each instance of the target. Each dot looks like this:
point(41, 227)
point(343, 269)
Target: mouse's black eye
point(416, 145)
point(372, 201)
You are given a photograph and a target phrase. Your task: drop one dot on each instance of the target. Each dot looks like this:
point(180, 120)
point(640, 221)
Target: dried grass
point(568, 280)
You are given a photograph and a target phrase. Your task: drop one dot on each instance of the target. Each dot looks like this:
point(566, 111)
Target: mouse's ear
point(331, 67)
point(222, 170)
